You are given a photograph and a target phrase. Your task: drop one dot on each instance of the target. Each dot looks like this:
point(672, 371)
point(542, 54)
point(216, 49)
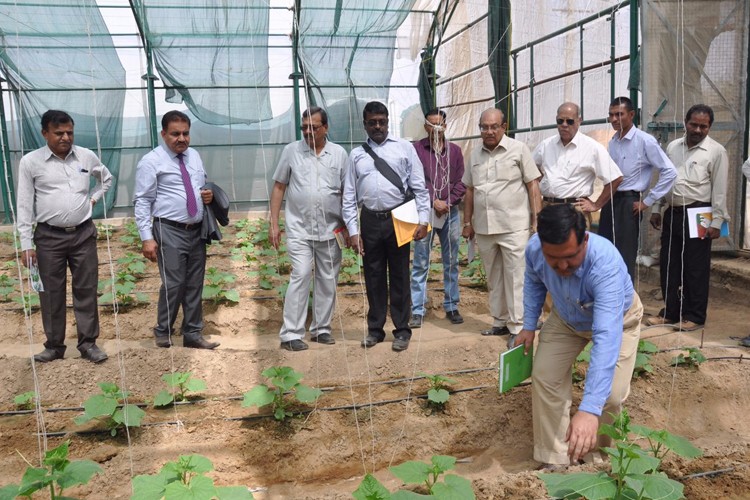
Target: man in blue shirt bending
point(593, 300)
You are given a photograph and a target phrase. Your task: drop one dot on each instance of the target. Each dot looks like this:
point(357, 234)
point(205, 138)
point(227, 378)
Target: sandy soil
point(326, 452)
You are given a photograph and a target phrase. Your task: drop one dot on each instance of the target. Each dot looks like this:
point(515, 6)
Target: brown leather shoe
point(47, 355)
point(94, 354)
point(200, 343)
point(162, 342)
point(658, 321)
point(687, 326)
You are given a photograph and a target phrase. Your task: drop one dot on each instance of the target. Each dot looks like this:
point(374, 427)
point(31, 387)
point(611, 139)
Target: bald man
point(500, 206)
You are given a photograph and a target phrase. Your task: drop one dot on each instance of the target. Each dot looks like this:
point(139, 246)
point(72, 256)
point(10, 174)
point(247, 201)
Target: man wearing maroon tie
point(168, 214)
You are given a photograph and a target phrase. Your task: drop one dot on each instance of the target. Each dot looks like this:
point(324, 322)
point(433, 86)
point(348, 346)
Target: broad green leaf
point(644, 462)
point(57, 458)
point(99, 405)
point(443, 463)
point(9, 492)
point(438, 395)
point(454, 488)
point(129, 415)
point(163, 398)
point(408, 495)
point(646, 346)
point(371, 489)
point(174, 379)
point(34, 479)
point(280, 413)
point(232, 295)
point(611, 431)
point(148, 487)
point(307, 394)
point(259, 395)
point(196, 463)
point(195, 385)
point(677, 444)
point(233, 493)
point(411, 472)
point(265, 284)
point(593, 486)
point(78, 472)
point(210, 291)
point(200, 488)
point(655, 486)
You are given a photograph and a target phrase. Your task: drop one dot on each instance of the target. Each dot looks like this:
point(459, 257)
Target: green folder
point(514, 367)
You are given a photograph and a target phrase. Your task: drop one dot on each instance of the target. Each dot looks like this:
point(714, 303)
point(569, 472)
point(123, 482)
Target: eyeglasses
point(487, 128)
point(308, 128)
point(376, 123)
point(567, 121)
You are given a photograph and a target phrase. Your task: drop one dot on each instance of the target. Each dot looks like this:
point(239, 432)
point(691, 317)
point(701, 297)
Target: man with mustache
point(169, 208)
point(53, 191)
point(685, 262)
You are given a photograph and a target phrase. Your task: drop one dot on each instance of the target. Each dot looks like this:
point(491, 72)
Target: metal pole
point(612, 40)
point(7, 172)
point(150, 77)
point(580, 43)
point(296, 74)
point(634, 59)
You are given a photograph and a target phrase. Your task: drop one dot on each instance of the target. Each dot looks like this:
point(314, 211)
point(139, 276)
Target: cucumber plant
point(25, 401)
point(428, 476)
point(108, 408)
point(282, 380)
point(217, 288)
point(179, 385)
point(7, 287)
point(693, 359)
point(437, 394)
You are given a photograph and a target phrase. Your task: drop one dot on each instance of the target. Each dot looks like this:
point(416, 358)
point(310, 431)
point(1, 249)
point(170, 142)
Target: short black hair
point(698, 109)
point(315, 110)
point(622, 101)
point(173, 116)
point(555, 222)
point(55, 117)
point(436, 111)
point(374, 108)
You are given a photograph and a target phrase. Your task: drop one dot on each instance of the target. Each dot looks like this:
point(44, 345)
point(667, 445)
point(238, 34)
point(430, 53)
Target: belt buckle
point(70, 229)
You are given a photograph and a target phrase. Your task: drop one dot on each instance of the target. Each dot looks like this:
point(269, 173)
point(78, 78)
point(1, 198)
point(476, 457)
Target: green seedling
point(282, 380)
point(124, 290)
point(7, 287)
point(58, 474)
point(215, 287)
point(185, 479)
point(438, 394)
point(475, 272)
point(109, 409)
point(27, 302)
point(180, 384)
point(104, 231)
point(579, 372)
point(25, 401)
point(350, 267)
point(421, 473)
point(643, 358)
point(635, 470)
point(693, 359)
point(134, 264)
point(131, 237)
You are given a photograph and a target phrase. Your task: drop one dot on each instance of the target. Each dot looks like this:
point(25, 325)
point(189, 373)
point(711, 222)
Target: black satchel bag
point(387, 172)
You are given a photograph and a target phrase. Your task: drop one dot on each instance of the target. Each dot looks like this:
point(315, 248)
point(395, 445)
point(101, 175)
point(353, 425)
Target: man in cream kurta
point(501, 202)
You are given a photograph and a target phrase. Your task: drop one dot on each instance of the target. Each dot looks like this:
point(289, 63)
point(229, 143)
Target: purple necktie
point(192, 208)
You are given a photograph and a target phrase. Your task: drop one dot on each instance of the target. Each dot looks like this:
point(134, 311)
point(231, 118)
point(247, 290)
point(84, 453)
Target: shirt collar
point(701, 144)
point(503, 143)
point(427, 144)
point(573, 141)
point(628, 137)
point(49, 154)
point(172, 154)
point(389, 137)
point(305, 148)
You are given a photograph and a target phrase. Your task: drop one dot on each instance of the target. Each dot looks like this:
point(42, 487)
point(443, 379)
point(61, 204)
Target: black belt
point(380, 214)
point(69, 229)
point(192, 226)
point(560, 200)
point(680, 208)
point(636, 194)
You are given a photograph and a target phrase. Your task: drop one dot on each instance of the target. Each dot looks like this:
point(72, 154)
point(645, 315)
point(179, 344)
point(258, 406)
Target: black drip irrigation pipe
point(237, 398)
point(711, 473)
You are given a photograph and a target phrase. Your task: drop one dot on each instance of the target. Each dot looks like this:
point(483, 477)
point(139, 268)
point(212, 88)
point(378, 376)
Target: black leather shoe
point(94, 354)
point(416, 321)
point(370, 341)
point(454, 317)
point(496, 330)
point(47, 355)
point(323, 338)
point(400, 344)
point(294, 345)
point(162, 342)
point(200, 343)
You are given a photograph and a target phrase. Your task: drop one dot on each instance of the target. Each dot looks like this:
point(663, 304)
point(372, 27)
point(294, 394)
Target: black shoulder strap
point(385, 169)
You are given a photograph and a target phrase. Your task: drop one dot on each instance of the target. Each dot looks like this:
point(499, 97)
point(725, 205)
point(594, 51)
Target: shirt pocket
point(506, 169)
point(696, 172)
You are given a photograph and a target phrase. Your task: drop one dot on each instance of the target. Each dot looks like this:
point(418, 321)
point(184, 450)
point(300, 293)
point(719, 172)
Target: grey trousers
point(182, 265)
point(323, 259)
point(55, 252)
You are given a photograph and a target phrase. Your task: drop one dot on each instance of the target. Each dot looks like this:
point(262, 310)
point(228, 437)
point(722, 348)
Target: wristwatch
point(467, 224)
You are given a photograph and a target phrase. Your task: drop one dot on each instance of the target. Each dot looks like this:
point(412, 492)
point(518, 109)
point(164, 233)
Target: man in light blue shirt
point(638, 154)
point(593, 300)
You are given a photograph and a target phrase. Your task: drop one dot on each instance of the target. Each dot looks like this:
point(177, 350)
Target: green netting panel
point(347, 44)
point(55, 47)
point(204, 50)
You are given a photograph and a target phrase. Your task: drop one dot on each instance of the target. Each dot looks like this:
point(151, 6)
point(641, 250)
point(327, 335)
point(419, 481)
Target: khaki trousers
point(551, 388)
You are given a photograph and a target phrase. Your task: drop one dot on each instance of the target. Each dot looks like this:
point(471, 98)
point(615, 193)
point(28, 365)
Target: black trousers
point(182, 266)
point(684, 272)
point(625, 234)
point(386, 269)
point(56, 251)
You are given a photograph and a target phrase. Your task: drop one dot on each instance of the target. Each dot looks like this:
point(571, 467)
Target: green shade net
point(345, 44)
point(498, 48)
point(202, 50)
point(64, 47)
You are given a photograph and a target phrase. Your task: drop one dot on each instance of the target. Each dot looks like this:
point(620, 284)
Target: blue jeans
point(449, 235)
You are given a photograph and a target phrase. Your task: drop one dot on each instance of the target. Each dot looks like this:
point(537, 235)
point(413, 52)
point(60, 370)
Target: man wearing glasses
point(502, 200)
point(311, 173)
point(379, 191)
point(571, 162)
